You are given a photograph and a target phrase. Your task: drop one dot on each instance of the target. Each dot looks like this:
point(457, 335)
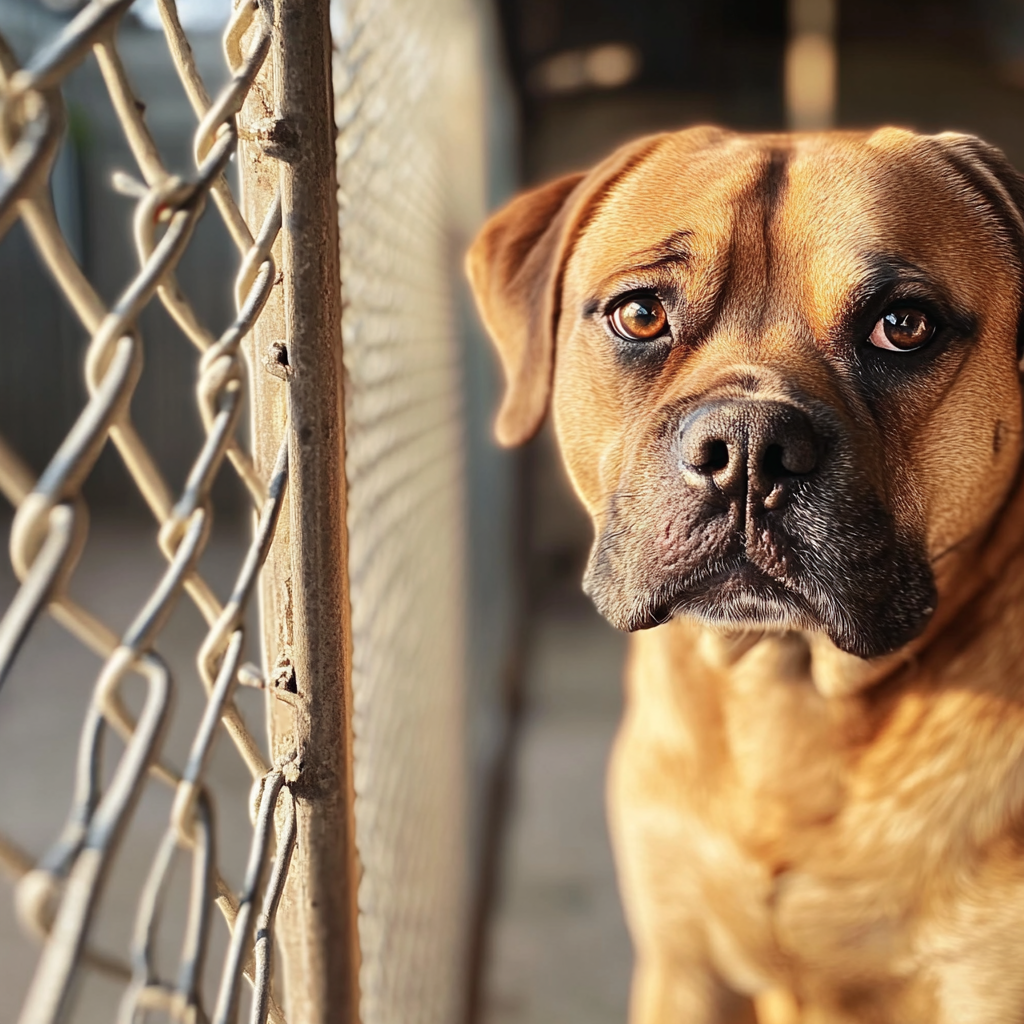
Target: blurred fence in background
point(430, 502)
point(387, 602)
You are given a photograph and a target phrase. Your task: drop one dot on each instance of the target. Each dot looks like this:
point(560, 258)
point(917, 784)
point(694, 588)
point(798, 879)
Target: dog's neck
point(794, 657)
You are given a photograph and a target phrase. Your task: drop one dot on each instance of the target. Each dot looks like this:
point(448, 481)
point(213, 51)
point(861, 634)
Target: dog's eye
point(902, 330)
point(639, 319)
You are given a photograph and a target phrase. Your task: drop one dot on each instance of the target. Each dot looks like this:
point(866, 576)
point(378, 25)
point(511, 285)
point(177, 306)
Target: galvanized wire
point(57, 898)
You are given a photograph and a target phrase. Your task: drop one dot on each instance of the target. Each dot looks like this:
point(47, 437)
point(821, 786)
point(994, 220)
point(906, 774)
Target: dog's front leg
point(674, 993)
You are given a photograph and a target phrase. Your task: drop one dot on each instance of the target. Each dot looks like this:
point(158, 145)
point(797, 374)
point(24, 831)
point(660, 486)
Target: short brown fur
point(828, 837)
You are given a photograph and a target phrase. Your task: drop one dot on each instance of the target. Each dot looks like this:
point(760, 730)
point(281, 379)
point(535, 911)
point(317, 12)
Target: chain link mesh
point(58, 897)
point(410, 115)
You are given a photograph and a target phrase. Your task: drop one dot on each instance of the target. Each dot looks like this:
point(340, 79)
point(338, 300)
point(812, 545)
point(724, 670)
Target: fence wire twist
point(57, 898)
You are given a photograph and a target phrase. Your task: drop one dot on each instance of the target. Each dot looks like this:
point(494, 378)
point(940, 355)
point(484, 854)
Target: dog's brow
point(883, 274)
point(669, 251)
point(673, 249)
point(887, 275)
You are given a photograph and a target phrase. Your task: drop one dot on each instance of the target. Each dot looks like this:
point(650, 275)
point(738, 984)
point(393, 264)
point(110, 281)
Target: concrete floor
point(559, 952)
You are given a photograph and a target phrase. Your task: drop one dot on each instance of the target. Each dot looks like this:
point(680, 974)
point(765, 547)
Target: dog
point(784, 377)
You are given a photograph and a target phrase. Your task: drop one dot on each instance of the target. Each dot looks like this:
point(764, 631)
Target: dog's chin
point(737, 595)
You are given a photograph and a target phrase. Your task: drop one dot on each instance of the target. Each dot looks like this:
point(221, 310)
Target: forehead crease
point(772, 184)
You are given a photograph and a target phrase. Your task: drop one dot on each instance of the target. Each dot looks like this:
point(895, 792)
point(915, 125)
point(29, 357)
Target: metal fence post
point(287, 126)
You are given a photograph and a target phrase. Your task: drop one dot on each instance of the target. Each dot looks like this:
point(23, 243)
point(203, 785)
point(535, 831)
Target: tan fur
point(836, 839)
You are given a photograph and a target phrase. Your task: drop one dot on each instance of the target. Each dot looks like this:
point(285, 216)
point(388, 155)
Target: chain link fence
point(59, 895)
point(364, 628)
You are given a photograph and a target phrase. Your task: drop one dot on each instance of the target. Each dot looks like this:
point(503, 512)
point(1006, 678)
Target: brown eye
point(640, 319)
point(902, 330)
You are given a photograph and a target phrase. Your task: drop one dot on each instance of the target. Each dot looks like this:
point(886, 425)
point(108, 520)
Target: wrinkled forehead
point(825, 210)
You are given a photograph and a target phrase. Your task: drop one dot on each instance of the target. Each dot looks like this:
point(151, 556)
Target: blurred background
point(587, 75)
point(526, 681)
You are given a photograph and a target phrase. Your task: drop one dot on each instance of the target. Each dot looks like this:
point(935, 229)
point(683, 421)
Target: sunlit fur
point(828, 837)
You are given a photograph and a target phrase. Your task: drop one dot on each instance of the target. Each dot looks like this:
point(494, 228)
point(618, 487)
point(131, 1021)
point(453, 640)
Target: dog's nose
point(747, 448)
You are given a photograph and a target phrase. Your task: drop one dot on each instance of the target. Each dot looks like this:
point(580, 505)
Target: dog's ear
point(987, 169)
point(515, 268)
point(989, 172)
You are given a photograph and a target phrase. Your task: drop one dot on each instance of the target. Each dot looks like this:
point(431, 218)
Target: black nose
point(746, 448)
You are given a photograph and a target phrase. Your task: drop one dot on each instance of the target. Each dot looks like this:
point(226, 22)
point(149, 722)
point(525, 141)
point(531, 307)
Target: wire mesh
point(58, 896)
point(409, 111)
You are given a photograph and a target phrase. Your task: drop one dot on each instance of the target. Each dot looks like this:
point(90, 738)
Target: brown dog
point(784, 378)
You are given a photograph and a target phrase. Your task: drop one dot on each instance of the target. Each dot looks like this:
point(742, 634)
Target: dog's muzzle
point(762, 516)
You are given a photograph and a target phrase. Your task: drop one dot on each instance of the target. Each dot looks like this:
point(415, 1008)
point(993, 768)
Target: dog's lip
point(735, 573)
point(732, 578)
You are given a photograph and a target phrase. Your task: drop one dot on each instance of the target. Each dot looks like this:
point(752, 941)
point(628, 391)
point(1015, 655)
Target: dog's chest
point(799, 838)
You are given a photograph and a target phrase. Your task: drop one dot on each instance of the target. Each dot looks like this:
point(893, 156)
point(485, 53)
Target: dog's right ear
point(991, 174)
point(515, 268)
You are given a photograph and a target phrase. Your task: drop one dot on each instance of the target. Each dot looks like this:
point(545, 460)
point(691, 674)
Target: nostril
point(773, 462)
point(716, 457)
point(796, 459)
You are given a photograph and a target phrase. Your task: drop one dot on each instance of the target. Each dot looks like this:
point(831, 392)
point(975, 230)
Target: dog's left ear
point(986, 168)
point(515, 268)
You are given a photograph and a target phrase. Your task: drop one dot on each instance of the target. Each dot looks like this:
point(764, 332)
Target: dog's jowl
point(783, 372)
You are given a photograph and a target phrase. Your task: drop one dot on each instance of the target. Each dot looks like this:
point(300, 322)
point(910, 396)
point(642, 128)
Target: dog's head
point(783, 369)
